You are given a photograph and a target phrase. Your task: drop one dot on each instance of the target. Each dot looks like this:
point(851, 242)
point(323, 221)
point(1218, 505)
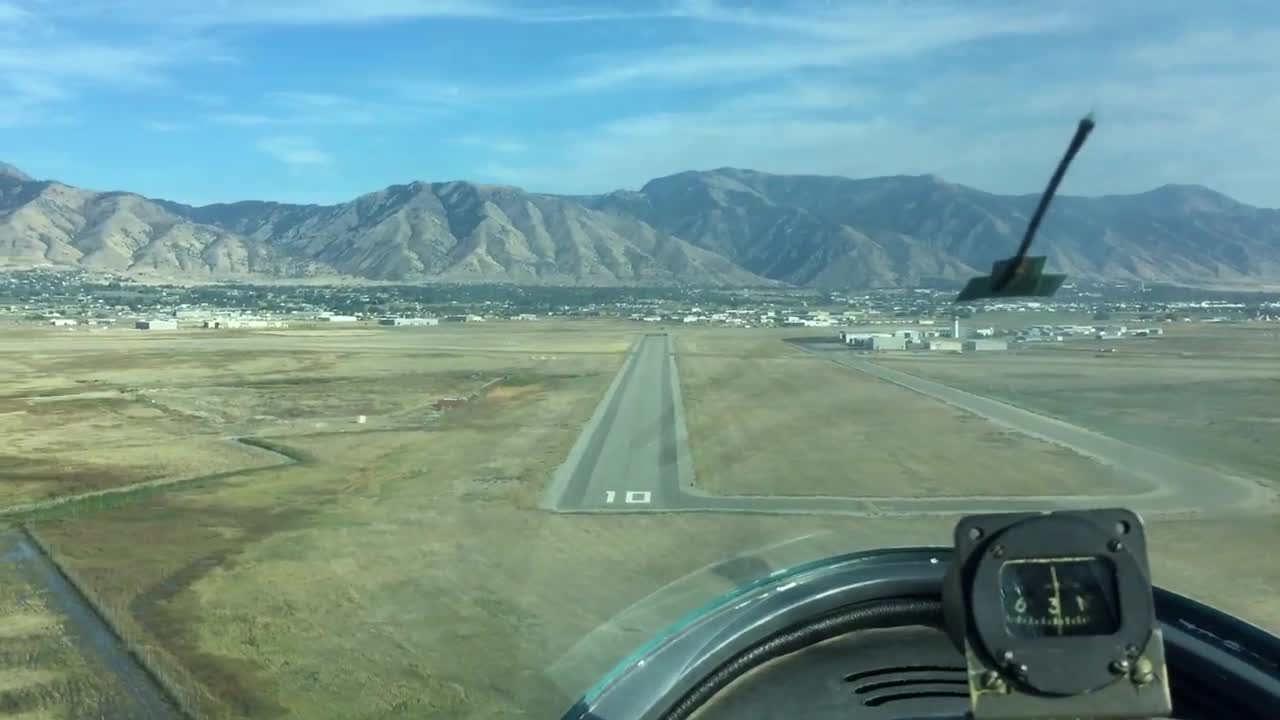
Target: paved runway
point(633, 455)
point(628, 456)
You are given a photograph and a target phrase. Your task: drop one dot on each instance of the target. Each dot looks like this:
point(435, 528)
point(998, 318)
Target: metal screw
point(1143, 672)
point(992, 681)
point(1120, 667)
point(1115, 546)
point(997, 551)
point(1007, 657)
point(1021, 670)
point(1131, 650)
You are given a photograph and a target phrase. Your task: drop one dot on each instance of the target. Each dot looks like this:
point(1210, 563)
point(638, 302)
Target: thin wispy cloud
point(503, 144)
point(794, 43)
point(161, 126)
point(309, 100)
point(778, 46)
point(31, 100)
point(930, 22)
point(199, 13)
point(301, 109)
point(10, 13)
point(242, 119)
point(518, 90)
point(1249, 50)
point(999, 131)
point(294, 150)
point(85, 61)
point(36, 88)
point(206, 99)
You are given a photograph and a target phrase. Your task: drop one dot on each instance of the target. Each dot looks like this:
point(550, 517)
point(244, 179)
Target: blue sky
point(319, 101)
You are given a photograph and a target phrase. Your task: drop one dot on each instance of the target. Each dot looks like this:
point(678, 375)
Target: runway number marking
point(632, 497)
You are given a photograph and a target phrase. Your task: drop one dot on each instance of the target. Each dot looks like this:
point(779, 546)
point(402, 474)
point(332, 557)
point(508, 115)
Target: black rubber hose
point(897, 612)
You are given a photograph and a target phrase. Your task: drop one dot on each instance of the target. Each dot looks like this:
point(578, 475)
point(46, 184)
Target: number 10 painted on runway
point(632, 497)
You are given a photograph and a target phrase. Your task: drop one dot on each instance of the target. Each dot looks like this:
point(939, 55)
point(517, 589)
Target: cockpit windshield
point(426, 359)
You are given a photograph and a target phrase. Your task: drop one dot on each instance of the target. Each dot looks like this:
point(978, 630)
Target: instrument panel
point(1054, 614)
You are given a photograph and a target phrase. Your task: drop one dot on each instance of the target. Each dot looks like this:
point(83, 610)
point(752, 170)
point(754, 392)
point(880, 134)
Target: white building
point(156, 325)
point(62, 322)
point(985, 345)
point(945, 345)
point(861, 339)
point(886, 343)
point(234, 323)
point(337, 318)
point(221, 324)
point(409, 322)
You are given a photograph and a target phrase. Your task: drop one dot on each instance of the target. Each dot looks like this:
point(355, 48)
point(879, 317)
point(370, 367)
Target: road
point(633, 456)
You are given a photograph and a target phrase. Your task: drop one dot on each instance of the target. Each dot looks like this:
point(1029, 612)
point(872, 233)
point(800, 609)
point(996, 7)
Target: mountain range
point(725, 227)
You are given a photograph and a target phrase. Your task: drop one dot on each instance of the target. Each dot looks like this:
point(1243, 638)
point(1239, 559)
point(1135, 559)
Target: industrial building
point(983, 345)
point(251, 323)
point(62, 322)
point(860, 339)
point(337, 318)
point(409, 322)
point(156, 325)
point(886, 343)
point(945, 345)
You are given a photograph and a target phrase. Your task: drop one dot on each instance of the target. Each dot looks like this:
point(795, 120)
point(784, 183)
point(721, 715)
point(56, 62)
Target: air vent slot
point(903, 682)
point(880, 686)
point(914, 695)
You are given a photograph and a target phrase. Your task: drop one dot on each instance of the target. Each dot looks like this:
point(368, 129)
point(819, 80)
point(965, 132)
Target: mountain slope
point(51, 224)
point(461, 231)
point(447, 231)
point(719, 227)
point(838, 232)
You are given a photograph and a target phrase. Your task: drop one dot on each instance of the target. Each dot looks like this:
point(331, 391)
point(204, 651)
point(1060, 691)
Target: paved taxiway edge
point(1173, 485)
point(684, 457)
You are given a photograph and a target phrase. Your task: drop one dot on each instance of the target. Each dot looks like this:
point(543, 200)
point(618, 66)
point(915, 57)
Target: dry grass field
point(413, 555)
point(766, 418)
point(1209, 393)
point(401, 569)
